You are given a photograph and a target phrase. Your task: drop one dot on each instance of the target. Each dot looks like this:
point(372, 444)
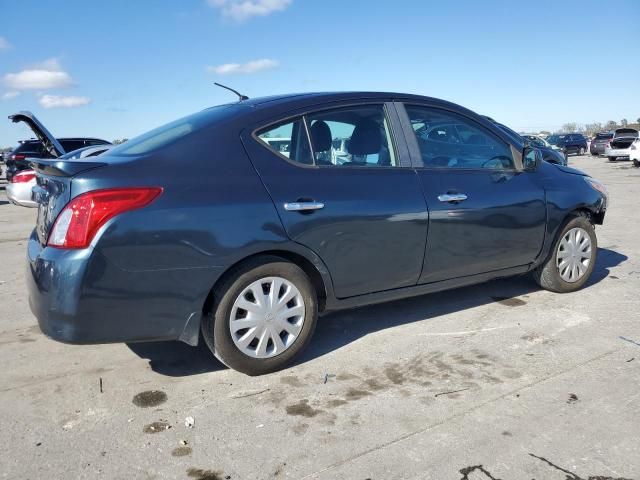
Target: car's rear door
point(362, 210)
point(485, 214)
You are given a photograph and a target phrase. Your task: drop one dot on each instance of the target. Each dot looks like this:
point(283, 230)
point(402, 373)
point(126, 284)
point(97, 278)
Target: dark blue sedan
point(243, 221)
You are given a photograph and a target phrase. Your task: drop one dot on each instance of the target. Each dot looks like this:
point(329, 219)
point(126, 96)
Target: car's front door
point(485, 214)
point(344, 187)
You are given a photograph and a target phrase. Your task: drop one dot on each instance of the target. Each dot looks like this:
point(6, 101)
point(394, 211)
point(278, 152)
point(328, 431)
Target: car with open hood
point(620, 145)
point(20, 188)
point(205, 228)
point(45, 145)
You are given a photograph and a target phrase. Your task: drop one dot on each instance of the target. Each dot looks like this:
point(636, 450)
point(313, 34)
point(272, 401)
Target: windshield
point(556, 139)
point(604, 136)
point(171, 132)
point(536, 141)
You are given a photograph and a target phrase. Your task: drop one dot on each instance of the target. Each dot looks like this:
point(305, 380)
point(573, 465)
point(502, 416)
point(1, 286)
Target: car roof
point(35, 140)
point(302, 99)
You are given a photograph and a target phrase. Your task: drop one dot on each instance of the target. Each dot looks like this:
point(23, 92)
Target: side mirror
point(531, 159)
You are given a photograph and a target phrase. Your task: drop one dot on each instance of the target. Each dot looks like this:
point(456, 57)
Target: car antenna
point(240, 96)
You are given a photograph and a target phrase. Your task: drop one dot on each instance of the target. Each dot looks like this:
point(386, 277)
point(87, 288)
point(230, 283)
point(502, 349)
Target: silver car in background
point(19, 190)
point(620, 144)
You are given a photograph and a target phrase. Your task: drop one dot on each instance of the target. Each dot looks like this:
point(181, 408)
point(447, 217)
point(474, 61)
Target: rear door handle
point(452, 197)
point(303, 206)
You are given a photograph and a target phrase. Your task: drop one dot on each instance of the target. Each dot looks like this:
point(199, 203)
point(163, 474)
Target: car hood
point(570, 170)
point(49, 141)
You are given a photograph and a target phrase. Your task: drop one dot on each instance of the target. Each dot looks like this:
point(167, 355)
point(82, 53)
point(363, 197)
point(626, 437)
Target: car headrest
point(366, 138)
point(320, 134)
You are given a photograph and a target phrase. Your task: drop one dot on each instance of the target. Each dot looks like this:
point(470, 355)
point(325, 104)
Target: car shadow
point(177, 359)
point(338, 329)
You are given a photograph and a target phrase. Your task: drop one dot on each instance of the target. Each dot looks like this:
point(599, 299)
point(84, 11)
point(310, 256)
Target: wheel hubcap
point(267, 317)
point(574, 255)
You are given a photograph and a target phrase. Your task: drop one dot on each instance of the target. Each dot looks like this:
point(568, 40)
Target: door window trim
point(393, 123)
point(414, 148)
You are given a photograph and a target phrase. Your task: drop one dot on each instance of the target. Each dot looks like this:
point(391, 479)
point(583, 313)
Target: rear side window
point(289, 139)
point(345, 137)
point(447, 140)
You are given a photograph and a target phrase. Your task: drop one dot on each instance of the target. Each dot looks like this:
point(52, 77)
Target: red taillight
point(19, 156)
point(78, 223)
point(24, 176)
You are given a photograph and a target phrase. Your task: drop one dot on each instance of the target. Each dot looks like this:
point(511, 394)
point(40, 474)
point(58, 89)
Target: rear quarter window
point(166, 135)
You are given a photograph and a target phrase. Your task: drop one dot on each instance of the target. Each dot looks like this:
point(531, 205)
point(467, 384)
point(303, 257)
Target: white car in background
point(621, 143)
point(634, 153)
point(19, 190)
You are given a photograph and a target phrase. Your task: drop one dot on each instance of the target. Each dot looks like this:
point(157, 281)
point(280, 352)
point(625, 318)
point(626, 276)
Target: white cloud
point(10, 94)
point(58, 101)
point(41, 76)
point(4, 44)
point(240, 10)
point(246, 68)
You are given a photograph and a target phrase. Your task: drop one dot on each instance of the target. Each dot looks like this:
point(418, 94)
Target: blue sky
point(116, 69)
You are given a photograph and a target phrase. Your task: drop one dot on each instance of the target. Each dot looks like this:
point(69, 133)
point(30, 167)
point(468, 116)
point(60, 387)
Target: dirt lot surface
point(498, 381)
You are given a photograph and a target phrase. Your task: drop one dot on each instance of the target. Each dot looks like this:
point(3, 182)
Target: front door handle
point(303, 206)
point(452, 197)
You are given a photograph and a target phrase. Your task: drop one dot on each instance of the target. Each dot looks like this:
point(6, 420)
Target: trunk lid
point(48, 141)
point(622, 143)
point(53, 189)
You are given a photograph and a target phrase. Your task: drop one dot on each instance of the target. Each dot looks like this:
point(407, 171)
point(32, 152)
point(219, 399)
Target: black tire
point(612, 159)
point(215, 326)
point(581, 151)
point(547, 274)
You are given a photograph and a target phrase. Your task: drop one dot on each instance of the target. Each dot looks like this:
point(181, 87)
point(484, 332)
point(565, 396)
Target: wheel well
point(308, 268)
point(595, 218)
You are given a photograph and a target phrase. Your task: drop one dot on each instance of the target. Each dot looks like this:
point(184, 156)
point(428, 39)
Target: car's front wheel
point(572, 258)
point(612, 159)
point(264, 315)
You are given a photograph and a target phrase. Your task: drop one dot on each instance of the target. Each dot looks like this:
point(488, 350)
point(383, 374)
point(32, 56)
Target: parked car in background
point(244, 245)
point(599, 143)
point(42, 147)
point(575, 143)
point(634, 154)
point(549, 154)
point(620, 145)
point(19, 190)
point(538, 141)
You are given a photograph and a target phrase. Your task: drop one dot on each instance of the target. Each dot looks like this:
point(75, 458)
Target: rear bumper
point(20, 194)
point(79, 297)
point(596, 149)
point(617, 152)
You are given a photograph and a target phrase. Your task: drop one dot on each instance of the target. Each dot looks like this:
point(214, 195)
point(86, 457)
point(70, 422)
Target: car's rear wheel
point(612, 159)
point(572, 257)
point(264, 315)
point(581, 151)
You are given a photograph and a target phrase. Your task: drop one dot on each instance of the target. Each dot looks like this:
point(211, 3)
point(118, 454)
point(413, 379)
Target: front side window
point(447, 140)
point(344, 137)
